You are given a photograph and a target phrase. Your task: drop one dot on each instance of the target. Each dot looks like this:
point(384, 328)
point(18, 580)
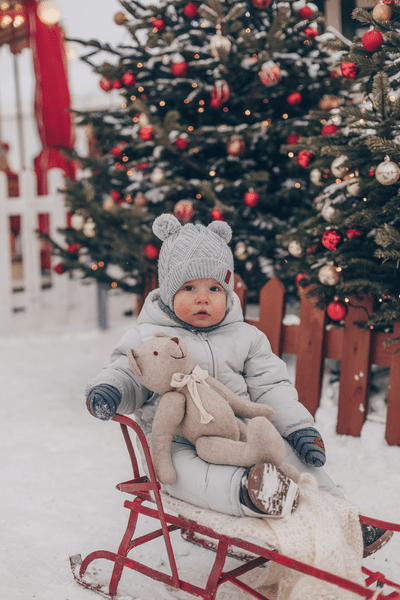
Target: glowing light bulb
point(48, 12)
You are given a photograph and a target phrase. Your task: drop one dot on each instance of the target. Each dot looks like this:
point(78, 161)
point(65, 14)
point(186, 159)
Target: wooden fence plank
point(392, 434)
point(309, 367)
point(241, 290)
point(355, 370)
point(272, 310)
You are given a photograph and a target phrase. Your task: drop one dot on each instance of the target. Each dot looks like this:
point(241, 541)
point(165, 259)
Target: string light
point(290, 154)
point(194, 85)
point(123, 105)
point(135, 119)
point(212, 173)
point(19, 20)
point(200, 110)
point(48, 12)
point(266, 123)
point(265, 100)
point(285, 116)
point(392, 98)
point(190, 128)
point(139, 65)
point(114, 284)
point(141, 89)
point(297, 185)
point(201, 102)
point(195, 150)
point(202, 24)
point(125, 159)
point(198, 196)
point(133, 98)
point(162, 103)
point(338, 180)
point(197, 56)
point(129, 172)
point(94, 267)
point(247, 112)
point(248, 30)
point(225, 109)
point(101, 264)
point(186, 100)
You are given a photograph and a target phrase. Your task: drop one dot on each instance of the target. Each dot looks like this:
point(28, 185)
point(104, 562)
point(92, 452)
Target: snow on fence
point(32, 296)
point(312, 341)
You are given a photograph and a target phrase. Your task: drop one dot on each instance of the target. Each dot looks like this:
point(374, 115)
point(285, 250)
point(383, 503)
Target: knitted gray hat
point(192, 252)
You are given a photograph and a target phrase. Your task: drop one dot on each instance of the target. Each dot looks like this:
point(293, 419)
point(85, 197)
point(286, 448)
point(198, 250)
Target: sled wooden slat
point(355, 370)
point(309, 367)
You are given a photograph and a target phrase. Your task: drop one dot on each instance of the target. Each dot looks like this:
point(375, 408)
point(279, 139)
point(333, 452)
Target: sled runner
point(147, 491)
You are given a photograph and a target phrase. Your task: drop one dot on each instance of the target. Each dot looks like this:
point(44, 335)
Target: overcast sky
point(83, 19)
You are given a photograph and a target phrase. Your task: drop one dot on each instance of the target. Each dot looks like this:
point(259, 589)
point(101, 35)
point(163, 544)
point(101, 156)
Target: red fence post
point(355, 369)
point(310, 353)
point(392, 434)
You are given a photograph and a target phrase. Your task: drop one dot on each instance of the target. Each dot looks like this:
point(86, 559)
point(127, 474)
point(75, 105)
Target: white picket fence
point(27, 303)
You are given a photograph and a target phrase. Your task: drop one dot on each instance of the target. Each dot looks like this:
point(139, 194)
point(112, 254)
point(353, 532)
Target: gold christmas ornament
point(120, 18)
point(387, 172)
point(219, 43)
point(157, 175)
point(241, 251)
point(89, 228)
point(236, 146)
point(329, 102)
point(353, 187)
point(328, 275)
point(382, 11)
point(77, 221)
point(270, 73)
point(337, 167)
point(108, 203)
point(295, 249)
point(140, 200)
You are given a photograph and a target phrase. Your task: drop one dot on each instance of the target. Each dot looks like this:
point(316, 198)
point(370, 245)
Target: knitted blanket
point(323, 531)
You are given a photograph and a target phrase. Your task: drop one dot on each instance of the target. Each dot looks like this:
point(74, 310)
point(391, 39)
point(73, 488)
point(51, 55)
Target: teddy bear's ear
point(132, 356)
point(162, 334)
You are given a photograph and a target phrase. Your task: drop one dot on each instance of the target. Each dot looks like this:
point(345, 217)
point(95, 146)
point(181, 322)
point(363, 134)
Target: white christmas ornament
point(270, 73)
point(219, 43)
point(353, 186)
point(295, 249)
point(143, 120)
point(328, 275)
point(337, 167)
point(77, 221)
point(89, 228)
point(157, 175)
point(387, 172)
point(108, 203)
point(241, 251)
point(328, 211)
point(296, 6)
point(316, 177)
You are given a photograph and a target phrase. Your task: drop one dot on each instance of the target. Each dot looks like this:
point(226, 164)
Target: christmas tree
point(350, 246)
point(207, 94)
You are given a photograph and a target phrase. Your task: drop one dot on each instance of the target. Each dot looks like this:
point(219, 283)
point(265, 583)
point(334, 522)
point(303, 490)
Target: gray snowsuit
point(240, 356)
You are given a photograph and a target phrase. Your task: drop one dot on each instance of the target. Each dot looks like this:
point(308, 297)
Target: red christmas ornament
point(388, 1)
point(304, 158)
point(311, 249)
point(299, 278)
point(310, 32)
point(354, 233)
point(74, 248)
point(372, 40)
point(159, 25)
point(294, 98)
point(116, 84)
point(128, 79)
point(292, 138)
point(151, 251)
point(146, 133)
point(216, 215)
point(251, 198)
point(331, 239)
point(117, 150)
point(142, 166)
point(349, 69)
point(59, 269)
point(337, 310)
point(105, 84)
point(371, 172)
point(115, 195)
point(190, 10)
point(261, 4)
point(183, 210)
point(220, 93)
point(329, 128)
point(179, 69)
point(306, 12)
point(182, 143)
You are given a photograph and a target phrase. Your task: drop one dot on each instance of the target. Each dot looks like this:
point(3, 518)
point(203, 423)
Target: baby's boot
point(267, 491)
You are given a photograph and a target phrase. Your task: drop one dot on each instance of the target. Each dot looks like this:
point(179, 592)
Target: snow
point(60, 467)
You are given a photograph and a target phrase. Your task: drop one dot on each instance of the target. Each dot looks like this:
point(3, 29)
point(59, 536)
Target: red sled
point(252, 555)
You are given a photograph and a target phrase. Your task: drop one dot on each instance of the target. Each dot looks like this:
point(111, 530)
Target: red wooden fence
point(357, 349)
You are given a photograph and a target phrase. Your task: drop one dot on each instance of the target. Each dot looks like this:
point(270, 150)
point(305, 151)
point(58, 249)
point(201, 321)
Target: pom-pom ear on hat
point(222, 229)
point(166, 225)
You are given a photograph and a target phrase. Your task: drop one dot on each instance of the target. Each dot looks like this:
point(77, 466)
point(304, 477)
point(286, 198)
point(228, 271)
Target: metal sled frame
point(148, 490)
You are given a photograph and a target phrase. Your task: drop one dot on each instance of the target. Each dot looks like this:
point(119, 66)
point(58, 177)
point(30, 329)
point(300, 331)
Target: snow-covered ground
point(59, 467)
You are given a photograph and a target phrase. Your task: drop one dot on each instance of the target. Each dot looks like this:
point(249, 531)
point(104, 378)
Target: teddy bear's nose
point(176, 340)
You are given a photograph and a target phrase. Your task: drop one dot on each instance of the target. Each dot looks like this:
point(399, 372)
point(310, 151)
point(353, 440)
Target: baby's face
point(200, 302)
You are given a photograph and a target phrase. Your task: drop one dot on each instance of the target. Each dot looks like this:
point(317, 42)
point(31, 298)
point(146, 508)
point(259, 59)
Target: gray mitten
point(308, 445)
point(103, 401)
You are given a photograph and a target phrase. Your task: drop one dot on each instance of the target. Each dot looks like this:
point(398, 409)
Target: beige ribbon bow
point(198, 375)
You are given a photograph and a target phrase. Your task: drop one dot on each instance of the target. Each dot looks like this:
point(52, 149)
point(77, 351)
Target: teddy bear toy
point(204, 411)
